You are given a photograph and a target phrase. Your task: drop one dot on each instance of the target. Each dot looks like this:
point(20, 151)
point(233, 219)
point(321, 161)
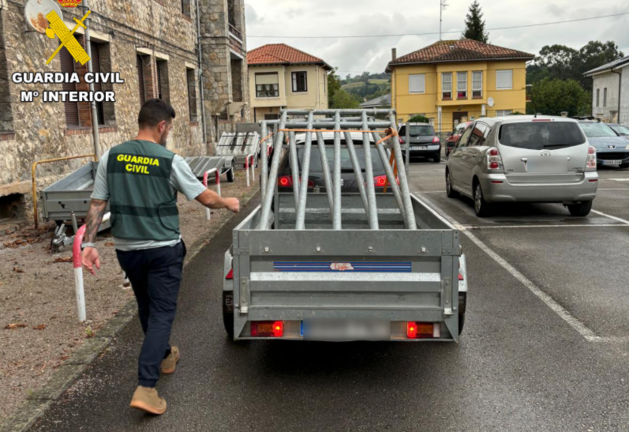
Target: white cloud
point(375, 17)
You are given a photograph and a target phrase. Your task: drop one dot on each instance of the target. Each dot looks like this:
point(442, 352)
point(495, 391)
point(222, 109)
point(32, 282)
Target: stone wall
point(40, 130)
point(605, 111)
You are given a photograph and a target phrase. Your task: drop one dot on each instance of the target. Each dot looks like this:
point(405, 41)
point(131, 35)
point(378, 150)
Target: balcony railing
point(234, 31)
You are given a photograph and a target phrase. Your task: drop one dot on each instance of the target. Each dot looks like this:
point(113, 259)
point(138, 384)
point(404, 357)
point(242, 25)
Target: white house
point(610, 91)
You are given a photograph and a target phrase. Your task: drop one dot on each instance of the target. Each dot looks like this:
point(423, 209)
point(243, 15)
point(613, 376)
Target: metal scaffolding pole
point(294, 161)
point(390, 175)
point(399, 159)
point(371, 189)
point(327, 178)
point(265, 213)
point(264, 171)
point(336, 215)
point(360, 180)
point(303, 191)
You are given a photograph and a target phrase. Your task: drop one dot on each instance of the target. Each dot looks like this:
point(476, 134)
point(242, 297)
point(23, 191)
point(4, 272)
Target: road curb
point(38, 402)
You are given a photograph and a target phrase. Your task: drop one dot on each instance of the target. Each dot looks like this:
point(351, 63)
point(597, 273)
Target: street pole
point(90, 70)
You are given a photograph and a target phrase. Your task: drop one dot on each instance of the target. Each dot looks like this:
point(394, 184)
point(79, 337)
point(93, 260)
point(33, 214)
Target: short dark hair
point(155, 111)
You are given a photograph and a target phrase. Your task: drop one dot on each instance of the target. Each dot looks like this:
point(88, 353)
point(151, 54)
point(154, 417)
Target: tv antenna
point(443, 5)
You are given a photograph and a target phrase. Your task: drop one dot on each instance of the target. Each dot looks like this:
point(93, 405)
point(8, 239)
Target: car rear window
point(416, 131)
point(541, 135)
point(597, 130)
point(346, 162)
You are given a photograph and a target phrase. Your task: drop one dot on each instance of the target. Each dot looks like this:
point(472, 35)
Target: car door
point(473, 153)
point(455, 163)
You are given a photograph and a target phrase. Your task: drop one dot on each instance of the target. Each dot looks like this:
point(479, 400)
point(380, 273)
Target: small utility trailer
point(242, 148)
point(327, 265)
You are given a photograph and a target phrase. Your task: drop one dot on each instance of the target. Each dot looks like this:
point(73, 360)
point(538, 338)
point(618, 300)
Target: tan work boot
point(147, 399)
point(169, 364)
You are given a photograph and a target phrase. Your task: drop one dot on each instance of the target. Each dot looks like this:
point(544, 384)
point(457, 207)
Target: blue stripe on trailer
point(359, 267)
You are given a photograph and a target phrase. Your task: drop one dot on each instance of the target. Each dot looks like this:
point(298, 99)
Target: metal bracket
point(244, 296)
point(241, 251)
point(446, 287)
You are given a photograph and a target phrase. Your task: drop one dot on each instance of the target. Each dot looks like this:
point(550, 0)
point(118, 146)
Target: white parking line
point(485, 227)
point(581, 328)
point(626, 222)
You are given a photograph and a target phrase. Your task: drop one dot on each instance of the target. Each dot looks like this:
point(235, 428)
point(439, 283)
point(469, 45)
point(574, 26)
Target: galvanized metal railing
point(341, 123)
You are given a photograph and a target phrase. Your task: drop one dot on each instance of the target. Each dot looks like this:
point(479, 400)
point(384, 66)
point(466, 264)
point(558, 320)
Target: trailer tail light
point(381, 181)
point(267, 328)
point(287, 181)
point(494, 160)
point(419, 330)
point(591, 159)
point(230, 275)
point(460, 276)
point(436, 140)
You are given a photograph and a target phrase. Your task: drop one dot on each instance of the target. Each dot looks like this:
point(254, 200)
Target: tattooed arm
point(89, 256)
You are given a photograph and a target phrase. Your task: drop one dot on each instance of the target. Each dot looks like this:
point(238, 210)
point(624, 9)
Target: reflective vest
point(143, 203)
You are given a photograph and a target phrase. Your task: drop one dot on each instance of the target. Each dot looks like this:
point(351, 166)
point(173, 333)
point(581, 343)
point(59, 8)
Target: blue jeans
point(155, 275)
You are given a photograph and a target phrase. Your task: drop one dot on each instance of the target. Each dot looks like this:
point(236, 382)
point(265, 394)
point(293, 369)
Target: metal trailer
point(336, 266)
point(202, 164)
point(243, 148)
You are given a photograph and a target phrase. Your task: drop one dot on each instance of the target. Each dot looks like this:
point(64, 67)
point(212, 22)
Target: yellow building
point(284, 77)
point(450, 82)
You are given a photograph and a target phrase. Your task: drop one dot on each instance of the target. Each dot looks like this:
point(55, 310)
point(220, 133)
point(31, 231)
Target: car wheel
point(228, 313)
point(580, 210)
point(449, 190)
point(230, 175)
point(481, 207)
point(436, 158)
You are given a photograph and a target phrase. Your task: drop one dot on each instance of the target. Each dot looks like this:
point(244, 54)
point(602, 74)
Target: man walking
point(141, 179)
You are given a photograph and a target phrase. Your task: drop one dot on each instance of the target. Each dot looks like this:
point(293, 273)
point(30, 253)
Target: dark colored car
point(424, 141)
point(611, 148)
point(620, 129)
point(454, 138)
point(316, 179)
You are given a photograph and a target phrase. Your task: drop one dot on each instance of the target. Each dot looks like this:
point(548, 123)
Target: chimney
point(394, 54)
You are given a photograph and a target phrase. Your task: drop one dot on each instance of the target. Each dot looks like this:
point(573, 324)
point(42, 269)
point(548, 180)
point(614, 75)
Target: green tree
point(343, 99)
point(552, 96)
point(334, 85)
point(418, 119)
point(475, 24)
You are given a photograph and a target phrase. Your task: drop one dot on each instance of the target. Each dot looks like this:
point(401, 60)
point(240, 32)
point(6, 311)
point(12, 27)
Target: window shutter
point(504, 79)
point(417, 83)
point(271, 78)
point(71, 108)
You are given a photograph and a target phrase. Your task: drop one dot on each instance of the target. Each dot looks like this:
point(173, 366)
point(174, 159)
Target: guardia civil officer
point(141, 178)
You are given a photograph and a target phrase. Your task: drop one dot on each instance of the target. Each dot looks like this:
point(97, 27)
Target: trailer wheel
point(228, 313)
point(461, 322)
point(230, 175)
point(462, 309)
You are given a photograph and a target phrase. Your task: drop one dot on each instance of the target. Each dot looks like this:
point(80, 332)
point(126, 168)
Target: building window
point(503, 113)
point(477, 85)
point(71, 108)
point(185, 7)
point(605, 97)
point(236, 68)
point(417, 84)
point(461, 85)
point(504, 80)
point(163, 90)
point(446, 86)
point(300, 82)
point(267, 85)
point(271, 116)
point(140, 66)
point(598, 97)
point(192, 94)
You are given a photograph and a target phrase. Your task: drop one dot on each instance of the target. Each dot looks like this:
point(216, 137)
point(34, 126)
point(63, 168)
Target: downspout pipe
point(88, 49)
point(619, 91)
point(200, 59)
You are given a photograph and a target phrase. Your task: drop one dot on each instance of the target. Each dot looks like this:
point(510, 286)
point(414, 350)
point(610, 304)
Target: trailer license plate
point(419, 148)
point(344, 330)
point(612, 162)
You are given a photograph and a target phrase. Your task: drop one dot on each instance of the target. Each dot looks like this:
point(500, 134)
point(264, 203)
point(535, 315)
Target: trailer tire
point(461, 322)
point(230, 175)
point(228, 313)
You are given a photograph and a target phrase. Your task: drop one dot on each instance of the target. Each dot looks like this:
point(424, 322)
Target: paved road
point(545, 347)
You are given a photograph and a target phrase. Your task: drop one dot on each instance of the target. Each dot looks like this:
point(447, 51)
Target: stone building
point(610, 91)
point(153, 44)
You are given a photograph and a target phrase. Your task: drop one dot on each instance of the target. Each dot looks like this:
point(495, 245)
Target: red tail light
point(436, 140)
point(419, 330)
point(380, 181)
point(230, 275)
point(285, 181)
point(267, 329)
point(494, 160)
point(591, 159)
point(460, 277)
point(310, 183)
point(402, 140)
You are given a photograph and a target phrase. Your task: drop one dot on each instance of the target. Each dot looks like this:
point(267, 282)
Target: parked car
point(620, 130)
point(315, 175)
point(524, 159)
point(424, 141)
point(454, 138)
point(611, 148)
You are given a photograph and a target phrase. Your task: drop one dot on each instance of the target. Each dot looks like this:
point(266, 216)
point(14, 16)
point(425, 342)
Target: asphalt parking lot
point(545, 345)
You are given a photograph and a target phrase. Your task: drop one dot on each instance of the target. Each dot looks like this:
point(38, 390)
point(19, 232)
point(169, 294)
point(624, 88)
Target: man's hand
point(90, 259)
point(232, 204)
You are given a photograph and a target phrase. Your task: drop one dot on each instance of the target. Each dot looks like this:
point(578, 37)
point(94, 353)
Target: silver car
point(524, 159)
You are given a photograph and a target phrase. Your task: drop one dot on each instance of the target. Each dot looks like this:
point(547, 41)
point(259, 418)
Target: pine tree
point(475, 25)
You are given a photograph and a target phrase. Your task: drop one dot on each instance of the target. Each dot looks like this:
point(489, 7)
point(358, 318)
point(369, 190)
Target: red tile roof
point(281, 54)
point(460, 50)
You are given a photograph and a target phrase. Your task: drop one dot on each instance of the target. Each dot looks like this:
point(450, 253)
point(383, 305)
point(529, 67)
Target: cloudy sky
point(313, 18)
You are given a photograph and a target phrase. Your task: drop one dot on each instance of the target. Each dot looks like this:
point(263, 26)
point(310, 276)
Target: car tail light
point(591, 159)
point(419, 330)
point(230, 275)
point(267, 328)
point(494, 160)
point(380, 181)
point(310, 183)
point(436, 140)
point(287, 181)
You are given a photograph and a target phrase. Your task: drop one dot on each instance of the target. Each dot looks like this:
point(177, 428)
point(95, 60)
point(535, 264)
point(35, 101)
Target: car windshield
point(422, 131)
point(597, 130)
point(346, 162)
point(541, 135)
point(622, 130)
